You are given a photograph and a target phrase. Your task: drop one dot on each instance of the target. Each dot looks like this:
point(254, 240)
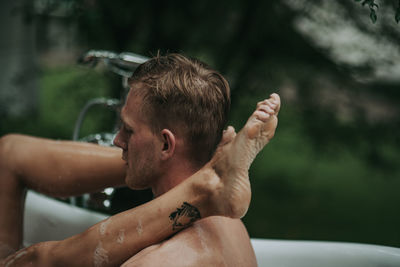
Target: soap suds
point(139, 228)
point(200, 233)
point(100, 256)
point(121, 236)
point(103, 226)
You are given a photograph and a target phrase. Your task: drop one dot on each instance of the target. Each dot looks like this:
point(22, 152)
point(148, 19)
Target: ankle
point(206, 186)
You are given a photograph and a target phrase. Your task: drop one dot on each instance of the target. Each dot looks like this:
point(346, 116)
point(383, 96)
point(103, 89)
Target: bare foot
point(236, 153)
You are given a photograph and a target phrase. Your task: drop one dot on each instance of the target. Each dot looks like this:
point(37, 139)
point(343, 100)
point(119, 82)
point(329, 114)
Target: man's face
point(139, 146)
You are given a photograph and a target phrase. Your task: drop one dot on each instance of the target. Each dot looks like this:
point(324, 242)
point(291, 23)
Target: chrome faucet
point(123, 64)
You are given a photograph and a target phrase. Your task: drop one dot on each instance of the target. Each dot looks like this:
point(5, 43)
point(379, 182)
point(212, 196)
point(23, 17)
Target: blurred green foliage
point(63, 93)
point(304, 191)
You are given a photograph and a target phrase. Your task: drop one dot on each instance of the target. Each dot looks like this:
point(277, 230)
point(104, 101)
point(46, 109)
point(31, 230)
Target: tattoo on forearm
point(184, 216)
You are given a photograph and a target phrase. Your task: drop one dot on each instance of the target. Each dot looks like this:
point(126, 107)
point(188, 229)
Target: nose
point(119, 141)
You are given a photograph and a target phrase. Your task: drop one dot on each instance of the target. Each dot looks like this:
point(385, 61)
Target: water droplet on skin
point(121, 236)
point(139, 228)
point(200, 233)
point(103, 226)
point(100, 256)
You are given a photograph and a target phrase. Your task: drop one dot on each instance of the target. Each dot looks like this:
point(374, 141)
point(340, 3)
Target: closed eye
point(127, 129)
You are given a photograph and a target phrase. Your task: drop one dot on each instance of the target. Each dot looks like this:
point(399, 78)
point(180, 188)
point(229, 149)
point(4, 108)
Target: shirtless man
point(172, 121)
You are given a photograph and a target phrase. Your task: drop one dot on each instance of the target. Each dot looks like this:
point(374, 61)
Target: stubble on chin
point(134, 181)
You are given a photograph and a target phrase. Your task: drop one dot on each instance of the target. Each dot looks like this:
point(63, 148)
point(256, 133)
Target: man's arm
point(113, 241)
point(56, 168)
point(221, 187)
point(40, 163)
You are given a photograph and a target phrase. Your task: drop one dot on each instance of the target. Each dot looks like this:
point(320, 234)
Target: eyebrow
point(124, 122)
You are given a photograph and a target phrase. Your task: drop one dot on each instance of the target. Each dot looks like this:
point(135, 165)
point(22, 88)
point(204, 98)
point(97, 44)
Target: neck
point(172, 176)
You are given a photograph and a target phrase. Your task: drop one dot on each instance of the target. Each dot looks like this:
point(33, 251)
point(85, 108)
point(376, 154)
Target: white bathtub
point(48, 219)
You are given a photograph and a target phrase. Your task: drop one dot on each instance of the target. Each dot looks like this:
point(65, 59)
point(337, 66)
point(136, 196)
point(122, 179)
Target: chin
point(134, 184)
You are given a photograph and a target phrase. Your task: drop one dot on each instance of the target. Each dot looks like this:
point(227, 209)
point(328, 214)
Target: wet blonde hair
point(186, 96)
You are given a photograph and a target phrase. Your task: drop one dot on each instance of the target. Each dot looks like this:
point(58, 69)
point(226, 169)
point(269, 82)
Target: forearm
point(35, 255)
point(57, 168)
point(113, 241)
point(63, 168)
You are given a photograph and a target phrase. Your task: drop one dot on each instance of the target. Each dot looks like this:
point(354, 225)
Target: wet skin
point(221, 187)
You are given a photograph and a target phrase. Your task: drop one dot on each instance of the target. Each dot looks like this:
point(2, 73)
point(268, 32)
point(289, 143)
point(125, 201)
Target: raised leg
point(232, 160)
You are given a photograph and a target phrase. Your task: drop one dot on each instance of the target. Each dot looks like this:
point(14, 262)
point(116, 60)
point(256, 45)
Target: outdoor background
point(332, 171)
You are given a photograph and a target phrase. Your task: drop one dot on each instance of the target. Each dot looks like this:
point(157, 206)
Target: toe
point(261, 115)
point(276, 100)
point(228, 135)
point(266, 109)
point(270, 103)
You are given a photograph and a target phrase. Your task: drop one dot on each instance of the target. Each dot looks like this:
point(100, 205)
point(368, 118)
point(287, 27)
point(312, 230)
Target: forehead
point(131, 112)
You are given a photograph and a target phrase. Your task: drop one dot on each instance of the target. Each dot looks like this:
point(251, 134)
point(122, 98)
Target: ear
point(168, 144)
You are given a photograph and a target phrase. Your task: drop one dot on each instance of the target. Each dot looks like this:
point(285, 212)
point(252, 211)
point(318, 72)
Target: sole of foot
point(236, 153)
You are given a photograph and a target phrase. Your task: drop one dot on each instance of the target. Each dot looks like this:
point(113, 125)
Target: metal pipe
point(108, 102)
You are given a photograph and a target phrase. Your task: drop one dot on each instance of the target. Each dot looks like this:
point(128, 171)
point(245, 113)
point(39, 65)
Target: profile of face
point(139, 146)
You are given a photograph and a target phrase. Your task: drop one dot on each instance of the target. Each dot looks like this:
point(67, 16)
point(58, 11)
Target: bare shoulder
point(213, 241)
